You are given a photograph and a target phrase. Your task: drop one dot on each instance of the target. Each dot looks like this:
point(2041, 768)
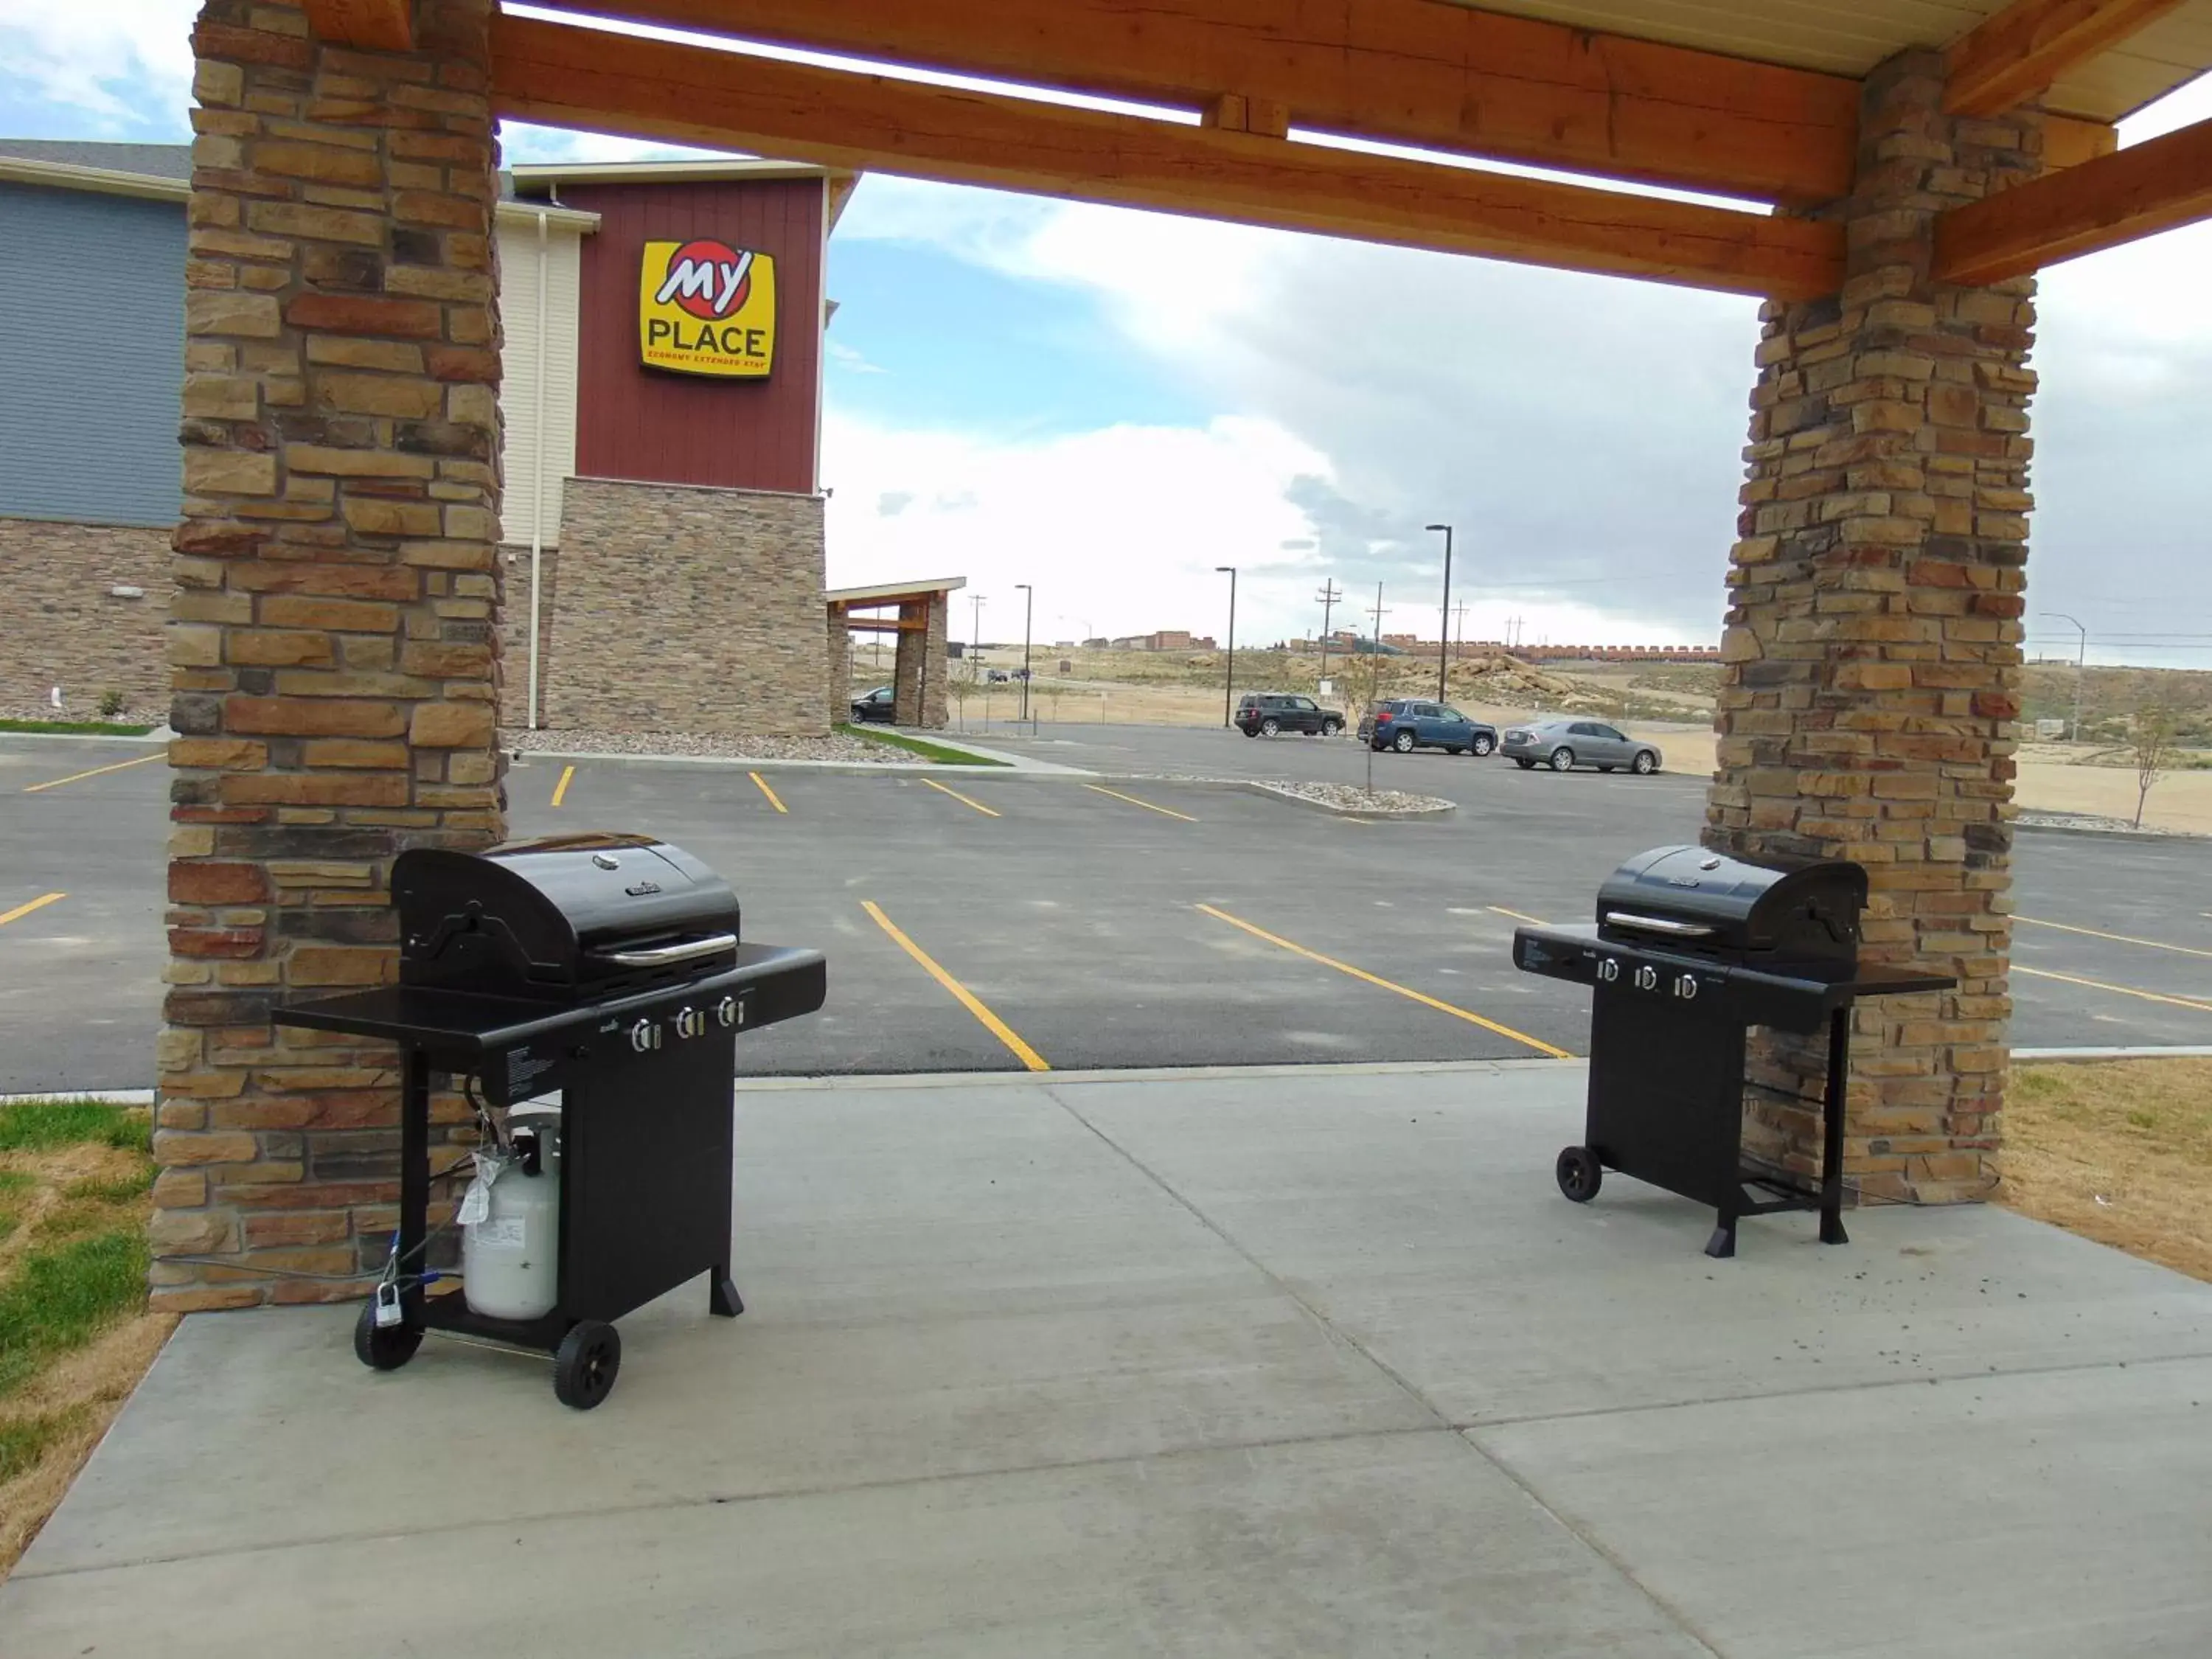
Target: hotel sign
point(704, 307)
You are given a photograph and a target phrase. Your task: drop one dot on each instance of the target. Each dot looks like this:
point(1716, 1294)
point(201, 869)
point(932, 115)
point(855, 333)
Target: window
point(1607, 732)
point(1304, 705)
point(1453, 715)
point(1584, 729)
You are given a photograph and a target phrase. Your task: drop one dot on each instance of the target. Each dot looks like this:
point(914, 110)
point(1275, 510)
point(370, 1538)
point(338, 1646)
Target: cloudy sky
point(1110, 404)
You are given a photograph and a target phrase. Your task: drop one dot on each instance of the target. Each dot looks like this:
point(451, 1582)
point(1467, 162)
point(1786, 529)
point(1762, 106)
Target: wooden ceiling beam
point(373, 25)
point(2132, 193)
point(1406, 72)
point(576, 77)
point(2017, 53)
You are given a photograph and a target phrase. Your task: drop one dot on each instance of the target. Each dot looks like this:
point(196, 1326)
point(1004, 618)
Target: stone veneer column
point(910, 674)
point(1873, 648)
point(840, 667)
point(334, 641)
point(937, 655)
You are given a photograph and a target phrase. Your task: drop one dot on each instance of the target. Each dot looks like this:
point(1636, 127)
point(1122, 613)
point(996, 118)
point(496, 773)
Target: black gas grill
point(607, 968)
point(1690, 949)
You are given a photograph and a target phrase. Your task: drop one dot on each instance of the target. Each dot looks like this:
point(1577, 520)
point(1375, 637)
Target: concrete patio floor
point(1303, 1361)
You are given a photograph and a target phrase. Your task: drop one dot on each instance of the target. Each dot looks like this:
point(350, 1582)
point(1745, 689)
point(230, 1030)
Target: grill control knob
point(1647, 978)
point(1609, 970)
point(645, 1036)
point(727, 1012)
point(690, 1022)
point(1685, 987)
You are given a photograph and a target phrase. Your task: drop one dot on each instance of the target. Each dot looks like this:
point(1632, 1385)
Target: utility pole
point(1329, 594)
point(1374, 680)
point(1458, 636)
point(2081, 667)
point(1229, 679)
point(974, 637)
point(1028, 605)
point(1443, 615)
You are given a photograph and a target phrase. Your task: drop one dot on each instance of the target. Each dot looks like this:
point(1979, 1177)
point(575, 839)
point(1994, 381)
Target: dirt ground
point(1180, 689)
point(2120, 1152)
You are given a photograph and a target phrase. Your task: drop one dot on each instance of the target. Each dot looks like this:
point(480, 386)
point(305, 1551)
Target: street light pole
point(1443, 622)
point(1229, 679)
point(1029, 606)
point(2081, 664)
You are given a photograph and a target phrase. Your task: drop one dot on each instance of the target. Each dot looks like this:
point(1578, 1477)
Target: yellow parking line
point(962, 799)
point(22, 910)
point(1163, 812)
point(120, 766)
point(2120, 938)
point(1537, 1043)
point(769, 792)
point(561, 787)
point(968, 999)
point(2124, 990)
point(1534, 921)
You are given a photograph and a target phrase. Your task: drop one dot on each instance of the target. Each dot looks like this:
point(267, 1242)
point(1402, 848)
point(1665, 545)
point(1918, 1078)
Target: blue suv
point(1405, 724)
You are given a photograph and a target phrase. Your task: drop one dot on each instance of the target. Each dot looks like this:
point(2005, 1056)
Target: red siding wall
point(636, 422)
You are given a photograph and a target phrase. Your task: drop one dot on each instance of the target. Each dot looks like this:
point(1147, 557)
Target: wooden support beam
point(2147, 187)
point(2068, 141)
point(376, 25)
point(1407, 71)
point(2017, 53)
point(589, 78)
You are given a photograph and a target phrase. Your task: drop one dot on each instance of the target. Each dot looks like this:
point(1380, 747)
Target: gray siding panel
point(92, 356)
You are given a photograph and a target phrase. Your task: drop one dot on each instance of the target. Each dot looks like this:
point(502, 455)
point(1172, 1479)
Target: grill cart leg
point(722, 1295)
point(1721, 1245)
point(414, 1181)
point(1831, 1128)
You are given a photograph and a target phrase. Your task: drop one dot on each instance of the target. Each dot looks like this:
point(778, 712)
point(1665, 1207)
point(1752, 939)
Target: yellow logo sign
point(704, 307)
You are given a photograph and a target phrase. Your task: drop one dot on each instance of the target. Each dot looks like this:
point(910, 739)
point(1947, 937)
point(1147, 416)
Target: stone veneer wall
point(66, 628)
point(336, 599)
point(1873, 648)
point(687, 609)
point(840, 644)
point(515, 632)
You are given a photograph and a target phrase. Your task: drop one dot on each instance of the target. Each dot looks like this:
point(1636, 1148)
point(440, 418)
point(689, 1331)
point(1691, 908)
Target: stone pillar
point(334, 644)
point(840, 667)
point(937, 655)
point(911, 669)
point(1873, 647)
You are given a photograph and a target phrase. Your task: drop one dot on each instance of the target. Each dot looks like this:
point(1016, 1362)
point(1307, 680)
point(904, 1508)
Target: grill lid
point(561, 912)
point(1694, 898)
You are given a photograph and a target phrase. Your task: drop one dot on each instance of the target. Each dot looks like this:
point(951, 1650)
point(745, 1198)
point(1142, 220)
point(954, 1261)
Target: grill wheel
point(584, 1370)
point(1580, 1174)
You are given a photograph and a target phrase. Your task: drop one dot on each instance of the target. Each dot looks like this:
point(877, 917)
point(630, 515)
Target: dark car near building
point(1405, 724)
point(876, 705)
point(1263, 713)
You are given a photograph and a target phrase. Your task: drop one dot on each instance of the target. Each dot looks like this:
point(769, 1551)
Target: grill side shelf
point(784, 981)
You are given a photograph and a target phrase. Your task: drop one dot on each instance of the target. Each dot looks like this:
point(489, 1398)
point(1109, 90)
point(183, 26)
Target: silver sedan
point(1566, 742)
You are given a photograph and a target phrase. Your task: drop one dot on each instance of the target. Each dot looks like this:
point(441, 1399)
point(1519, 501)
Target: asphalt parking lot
point(1139, 919)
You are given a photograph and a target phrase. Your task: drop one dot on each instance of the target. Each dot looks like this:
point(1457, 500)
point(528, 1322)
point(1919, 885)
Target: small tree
point(2151, 737)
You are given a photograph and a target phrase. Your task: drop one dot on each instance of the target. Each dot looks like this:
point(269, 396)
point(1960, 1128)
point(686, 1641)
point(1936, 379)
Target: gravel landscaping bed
point(836, 747)
point(1356, 802)
point(2097, 822)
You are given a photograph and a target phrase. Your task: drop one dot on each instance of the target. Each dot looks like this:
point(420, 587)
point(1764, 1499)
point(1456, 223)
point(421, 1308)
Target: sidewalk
point(1279, 1362)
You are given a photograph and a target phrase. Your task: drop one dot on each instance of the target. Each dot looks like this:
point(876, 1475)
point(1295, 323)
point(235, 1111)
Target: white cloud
point(119, 61)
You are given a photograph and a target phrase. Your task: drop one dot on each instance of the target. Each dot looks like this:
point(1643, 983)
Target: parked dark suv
point(1263, 713)
point(875, 705)
point(1405, 724)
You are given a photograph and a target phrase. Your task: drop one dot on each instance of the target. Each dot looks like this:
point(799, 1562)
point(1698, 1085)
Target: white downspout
point(538, 471)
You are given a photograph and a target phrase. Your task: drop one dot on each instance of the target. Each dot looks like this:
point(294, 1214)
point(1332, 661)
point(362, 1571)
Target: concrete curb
point(2070, 1056)
point(1370, 816)
point(1010, 767)
point(114, 1096)
point(1147, 1074)
point(159, 734)
point(2108, 835)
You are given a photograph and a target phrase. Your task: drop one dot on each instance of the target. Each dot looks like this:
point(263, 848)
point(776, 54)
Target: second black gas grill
point(1690, 949)
point(600, 979)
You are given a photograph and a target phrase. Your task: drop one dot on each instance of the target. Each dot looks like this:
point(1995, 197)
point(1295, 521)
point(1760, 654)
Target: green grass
point(922, 746)
point(39, 1126)
point(12, 1181)
point(78, 728)
point(129, 1190)
point(24, 1441)
point(61, 1297)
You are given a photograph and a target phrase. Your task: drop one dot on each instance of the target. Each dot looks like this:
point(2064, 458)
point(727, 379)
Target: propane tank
point(510, 1259)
